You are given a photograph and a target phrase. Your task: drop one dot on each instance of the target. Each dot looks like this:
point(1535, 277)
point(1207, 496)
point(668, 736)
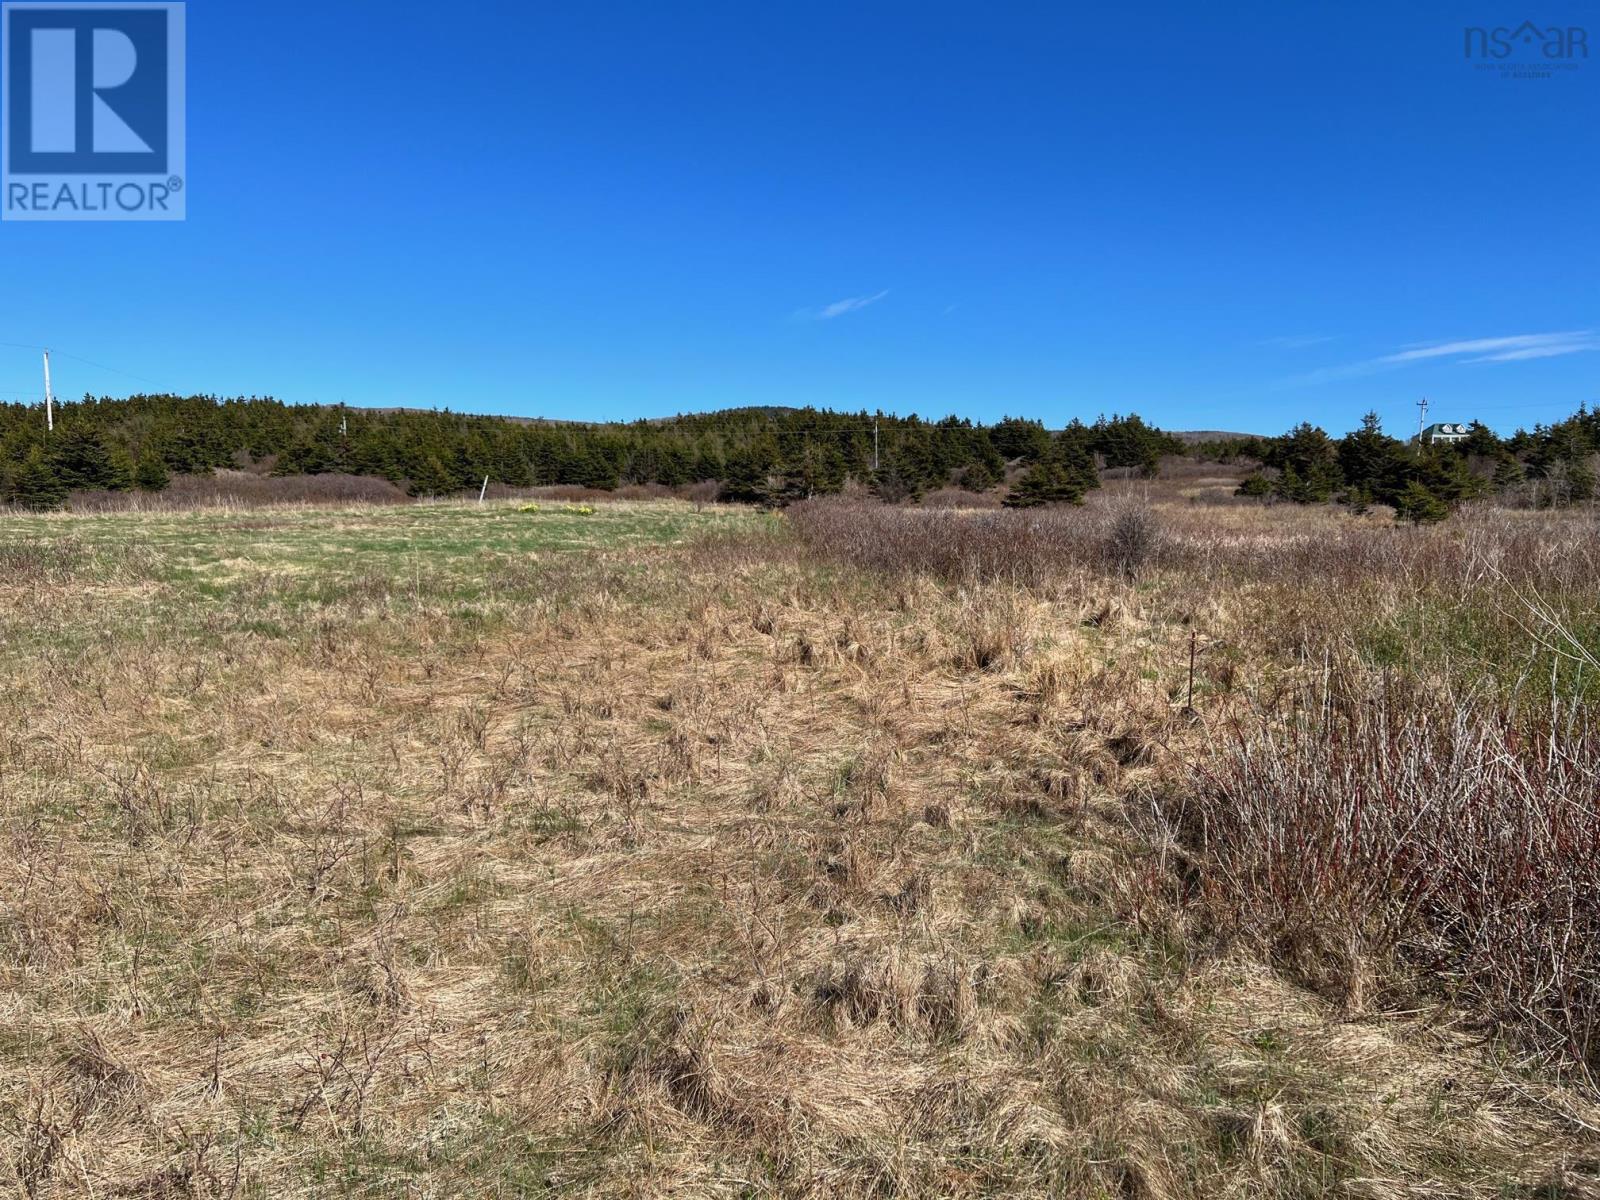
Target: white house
point(1444, 432)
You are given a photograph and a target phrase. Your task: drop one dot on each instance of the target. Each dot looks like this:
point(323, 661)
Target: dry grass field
point(1163, 848)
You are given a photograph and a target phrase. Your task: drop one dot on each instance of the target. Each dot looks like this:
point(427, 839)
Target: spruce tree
point(1420, 506)
point(305, 456)
point(82, 459)
point(1046, 482)
point(151, 473)
point(1014, 437)
point(1373, 463)
point(122, 470)
point(1257, 487)
point(986, 468)
point(430, 478)
point(598, 468)
point(980, 476)
point(38, 488)
point(745, 479)
point(707, 465)
point(1508, 473)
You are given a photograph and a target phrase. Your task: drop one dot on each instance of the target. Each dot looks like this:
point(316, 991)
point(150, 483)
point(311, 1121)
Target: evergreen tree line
point(758, 455)
point(768, 456)
point(1552, 465)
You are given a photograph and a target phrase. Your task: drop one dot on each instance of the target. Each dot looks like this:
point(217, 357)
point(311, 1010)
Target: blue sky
point(1228, 217)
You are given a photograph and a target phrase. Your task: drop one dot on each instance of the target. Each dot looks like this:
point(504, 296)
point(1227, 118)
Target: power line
point(85, 361)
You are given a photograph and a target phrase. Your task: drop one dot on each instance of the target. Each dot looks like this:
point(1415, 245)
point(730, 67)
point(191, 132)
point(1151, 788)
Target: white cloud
point(1500, 349)
point(1513, 348)
point(839, 307)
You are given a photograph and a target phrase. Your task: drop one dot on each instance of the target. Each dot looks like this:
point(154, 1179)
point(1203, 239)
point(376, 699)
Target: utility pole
point(874, 443)
point(49, 400)
point(1422, 417)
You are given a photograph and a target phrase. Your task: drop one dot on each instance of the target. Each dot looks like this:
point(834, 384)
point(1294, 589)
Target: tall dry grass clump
point(1132, 539)
point(1393, 837)
point(1027, 547)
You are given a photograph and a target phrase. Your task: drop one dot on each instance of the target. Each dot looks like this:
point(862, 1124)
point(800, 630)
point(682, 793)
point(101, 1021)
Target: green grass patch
point(1479, 644)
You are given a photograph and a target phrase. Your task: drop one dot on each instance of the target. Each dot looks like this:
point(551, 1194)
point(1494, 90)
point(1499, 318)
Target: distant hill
point(1191, 436)
point(392, 410)
point(1187, 436)
point(766, 410)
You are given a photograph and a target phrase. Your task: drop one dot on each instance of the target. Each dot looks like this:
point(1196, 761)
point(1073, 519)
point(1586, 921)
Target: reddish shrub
point(1399, 836)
